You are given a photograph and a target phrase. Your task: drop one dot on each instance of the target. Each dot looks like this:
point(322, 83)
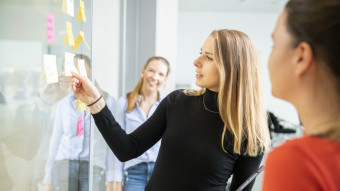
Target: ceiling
point(232, 5)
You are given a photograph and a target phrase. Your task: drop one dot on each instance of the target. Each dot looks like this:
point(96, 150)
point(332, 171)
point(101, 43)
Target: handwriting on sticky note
point(68, 7)
point(78, 41)
point(69, 35)
point(50, 27)
point(81, 11)
point(50, 68)
point(81, 67)
point(69, 64)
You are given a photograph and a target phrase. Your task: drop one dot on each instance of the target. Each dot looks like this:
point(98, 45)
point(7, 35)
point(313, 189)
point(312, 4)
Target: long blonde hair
point(240, 99)
point(133, 97)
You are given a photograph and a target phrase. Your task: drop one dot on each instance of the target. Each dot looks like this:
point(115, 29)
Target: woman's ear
point(142, 73)
point(303, 59)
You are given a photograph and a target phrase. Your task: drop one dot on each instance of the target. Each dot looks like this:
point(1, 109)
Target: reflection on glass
point(32, 115)
point(24, 125)
point(67, 165)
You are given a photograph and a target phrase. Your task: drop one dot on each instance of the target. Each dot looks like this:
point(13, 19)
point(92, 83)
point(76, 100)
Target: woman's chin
point(152, 88)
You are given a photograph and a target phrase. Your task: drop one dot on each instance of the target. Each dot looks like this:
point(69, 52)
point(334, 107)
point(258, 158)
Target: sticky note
point(50, 68)
point(43, 76)
point(81, 11)
point(69, 35)
point(77, 104)
point(69, 64)
point(50, 27)
point(68, 7)
point(80, 126)
point(81, 105)
point(81, 67)
point(78, 41)
point(64, 7)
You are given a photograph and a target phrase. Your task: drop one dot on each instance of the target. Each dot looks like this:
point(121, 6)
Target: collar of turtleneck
point(210, 101)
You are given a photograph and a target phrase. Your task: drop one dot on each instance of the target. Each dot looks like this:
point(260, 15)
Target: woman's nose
point(197, 63)
point(154, 76)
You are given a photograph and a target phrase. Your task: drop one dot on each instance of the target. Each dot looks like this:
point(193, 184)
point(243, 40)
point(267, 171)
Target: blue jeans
point(73, 175)
point(136, 177)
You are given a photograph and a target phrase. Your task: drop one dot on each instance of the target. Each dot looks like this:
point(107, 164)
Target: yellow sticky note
point(63, 8)
point(81, 11)
point(68, 7)
point(69, 35)
point(77, 104)
point(43, 76)
point(78, 41)
point(81, 105)
point(69, 64)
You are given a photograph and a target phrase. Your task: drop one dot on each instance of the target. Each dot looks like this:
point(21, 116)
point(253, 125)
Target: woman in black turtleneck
point(207, 135)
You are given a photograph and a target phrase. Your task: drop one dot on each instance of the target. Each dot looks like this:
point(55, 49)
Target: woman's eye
point(209, 58)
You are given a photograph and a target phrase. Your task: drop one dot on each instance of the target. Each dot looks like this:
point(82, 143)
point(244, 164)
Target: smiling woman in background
point(132, 111)
point(207, 135)
point(304, 69)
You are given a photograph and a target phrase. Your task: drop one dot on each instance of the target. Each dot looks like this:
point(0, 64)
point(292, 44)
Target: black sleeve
point(129, 146)
point(244, 167)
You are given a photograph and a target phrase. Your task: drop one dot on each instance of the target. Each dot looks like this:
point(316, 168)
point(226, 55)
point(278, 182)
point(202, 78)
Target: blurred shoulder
point(176, 94)
point(286, 154)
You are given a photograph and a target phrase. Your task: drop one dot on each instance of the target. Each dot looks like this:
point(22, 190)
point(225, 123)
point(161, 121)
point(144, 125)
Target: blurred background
point(122, 35)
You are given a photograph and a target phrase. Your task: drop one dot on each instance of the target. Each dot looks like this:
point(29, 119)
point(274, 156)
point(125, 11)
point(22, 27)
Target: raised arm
point(125, 146)
point(129, 146)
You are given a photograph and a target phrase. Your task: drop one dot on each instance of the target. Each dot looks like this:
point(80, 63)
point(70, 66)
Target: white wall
point(106, 21)
point(194, 28)
point(166, 37)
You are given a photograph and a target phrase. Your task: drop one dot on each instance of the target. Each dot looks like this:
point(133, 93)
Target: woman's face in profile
point(207, 75)
point(280, 64)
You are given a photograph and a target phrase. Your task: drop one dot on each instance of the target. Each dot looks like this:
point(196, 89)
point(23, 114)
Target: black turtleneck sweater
point(190, 156)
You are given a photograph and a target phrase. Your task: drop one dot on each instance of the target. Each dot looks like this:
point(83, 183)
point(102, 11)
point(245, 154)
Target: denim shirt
point(66, 145)
point(129, 122)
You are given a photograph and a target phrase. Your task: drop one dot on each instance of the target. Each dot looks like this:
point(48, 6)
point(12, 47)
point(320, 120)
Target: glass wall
point(45, 131)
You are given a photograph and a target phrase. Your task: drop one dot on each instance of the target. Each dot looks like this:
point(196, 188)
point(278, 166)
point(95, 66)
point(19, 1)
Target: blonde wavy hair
point(240, 100)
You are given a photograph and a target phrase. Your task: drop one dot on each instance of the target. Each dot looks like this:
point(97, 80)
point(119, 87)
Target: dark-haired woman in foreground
point(304, 69)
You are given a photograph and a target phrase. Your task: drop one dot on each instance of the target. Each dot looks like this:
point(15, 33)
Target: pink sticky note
point(50, 27)
point(80, 126)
